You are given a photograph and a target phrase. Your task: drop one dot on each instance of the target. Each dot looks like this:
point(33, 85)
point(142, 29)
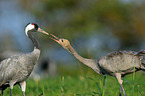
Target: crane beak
point(56, 39)
point(42, 31)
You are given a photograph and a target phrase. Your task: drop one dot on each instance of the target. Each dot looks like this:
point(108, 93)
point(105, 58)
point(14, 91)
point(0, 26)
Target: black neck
point(35, 42)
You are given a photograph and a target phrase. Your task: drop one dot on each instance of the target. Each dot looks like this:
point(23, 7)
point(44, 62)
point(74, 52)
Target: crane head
point(32, 27)
point(63, 42)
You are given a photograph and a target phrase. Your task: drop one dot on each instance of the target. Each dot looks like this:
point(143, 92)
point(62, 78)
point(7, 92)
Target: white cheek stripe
point(29, 27)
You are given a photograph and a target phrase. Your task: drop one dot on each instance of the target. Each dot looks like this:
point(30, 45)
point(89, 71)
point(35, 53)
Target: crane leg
point(11, 92)
point(23, 93)
point(11, 86)
point(123, 90)
point(2, 92)
point(23, 87)
point(120, 91)
point(118, 77)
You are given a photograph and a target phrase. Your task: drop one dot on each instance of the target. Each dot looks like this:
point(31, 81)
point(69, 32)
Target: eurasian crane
point(16, 69)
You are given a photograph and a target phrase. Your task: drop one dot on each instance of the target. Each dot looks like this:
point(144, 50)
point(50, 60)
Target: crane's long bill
point(42, 31)
point(55, 38)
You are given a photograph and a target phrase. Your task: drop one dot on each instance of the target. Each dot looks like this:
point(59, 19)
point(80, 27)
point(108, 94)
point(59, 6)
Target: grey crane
point(117, 64)
point(16, 69)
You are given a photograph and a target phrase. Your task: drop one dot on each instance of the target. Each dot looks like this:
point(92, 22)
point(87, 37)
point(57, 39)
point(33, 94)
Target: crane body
point(120, 62)
point(14, 67)
point(14, 70)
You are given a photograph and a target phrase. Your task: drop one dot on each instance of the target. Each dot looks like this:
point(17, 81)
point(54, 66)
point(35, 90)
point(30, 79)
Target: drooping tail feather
point(141, 55)
point(2, 88)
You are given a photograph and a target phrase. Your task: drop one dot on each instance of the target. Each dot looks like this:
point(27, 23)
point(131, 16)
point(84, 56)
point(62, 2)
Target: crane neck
point(35, 42)
point(36, 52)
point(92, 63)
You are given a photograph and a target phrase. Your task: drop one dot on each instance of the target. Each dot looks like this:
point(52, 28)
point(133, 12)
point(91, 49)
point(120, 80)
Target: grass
point(82, 82)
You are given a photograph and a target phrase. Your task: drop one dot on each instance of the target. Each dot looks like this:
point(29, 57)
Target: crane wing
point(8, 68)
point(141, 55)
point(120, 61)
point(19, 65)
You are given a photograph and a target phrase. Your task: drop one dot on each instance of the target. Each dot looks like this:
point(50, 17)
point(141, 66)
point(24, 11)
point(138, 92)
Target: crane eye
point(61, 40)
point(35, 26)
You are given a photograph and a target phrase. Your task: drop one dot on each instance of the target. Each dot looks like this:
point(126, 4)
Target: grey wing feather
point(8, 68)
point(120, 61)
point(141, 55)
point(17, 67)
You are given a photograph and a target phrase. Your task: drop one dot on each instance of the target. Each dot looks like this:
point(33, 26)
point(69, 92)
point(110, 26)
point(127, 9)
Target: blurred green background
point(94, 28)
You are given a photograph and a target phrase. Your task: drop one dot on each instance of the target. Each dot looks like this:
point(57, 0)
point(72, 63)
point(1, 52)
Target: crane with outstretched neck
point(16, 69)
point(117, 64)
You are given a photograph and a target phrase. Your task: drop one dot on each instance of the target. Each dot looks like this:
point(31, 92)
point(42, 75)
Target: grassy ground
point(82, 82)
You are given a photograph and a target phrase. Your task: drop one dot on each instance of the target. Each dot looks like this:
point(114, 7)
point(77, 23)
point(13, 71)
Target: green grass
point(82, 82)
